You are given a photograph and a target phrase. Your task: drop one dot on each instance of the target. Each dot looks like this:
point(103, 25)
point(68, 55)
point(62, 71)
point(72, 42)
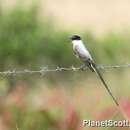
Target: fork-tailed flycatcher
point(81, 52)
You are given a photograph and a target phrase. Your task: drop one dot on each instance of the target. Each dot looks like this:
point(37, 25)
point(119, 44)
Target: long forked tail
point(101, 78)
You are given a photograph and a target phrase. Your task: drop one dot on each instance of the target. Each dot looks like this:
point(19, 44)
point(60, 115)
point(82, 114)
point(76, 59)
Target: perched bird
point(82, 53)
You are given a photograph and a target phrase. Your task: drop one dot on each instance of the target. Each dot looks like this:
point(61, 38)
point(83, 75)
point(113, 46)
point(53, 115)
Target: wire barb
point(44, 70)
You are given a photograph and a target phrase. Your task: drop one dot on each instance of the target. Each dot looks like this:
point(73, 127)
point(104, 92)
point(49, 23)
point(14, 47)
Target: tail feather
point(101, 78)
point(89, 66)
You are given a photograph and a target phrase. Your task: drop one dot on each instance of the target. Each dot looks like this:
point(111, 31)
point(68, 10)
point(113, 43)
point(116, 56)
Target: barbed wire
point(45, 70)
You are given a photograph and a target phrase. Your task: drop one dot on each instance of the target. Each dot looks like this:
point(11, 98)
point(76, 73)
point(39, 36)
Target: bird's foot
point(83, 67)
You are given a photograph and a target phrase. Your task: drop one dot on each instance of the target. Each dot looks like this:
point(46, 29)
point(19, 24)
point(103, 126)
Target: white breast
point(81, 49)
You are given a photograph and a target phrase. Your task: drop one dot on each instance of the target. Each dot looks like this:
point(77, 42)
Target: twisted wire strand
point(44, 70)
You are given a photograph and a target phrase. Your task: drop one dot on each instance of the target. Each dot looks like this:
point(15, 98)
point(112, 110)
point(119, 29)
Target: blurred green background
point(61, 100)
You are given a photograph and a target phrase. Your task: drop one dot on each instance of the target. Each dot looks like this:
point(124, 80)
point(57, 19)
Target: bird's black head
point(75, 37)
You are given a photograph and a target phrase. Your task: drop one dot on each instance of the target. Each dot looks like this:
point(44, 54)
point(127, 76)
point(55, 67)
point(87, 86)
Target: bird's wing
point(82, 52)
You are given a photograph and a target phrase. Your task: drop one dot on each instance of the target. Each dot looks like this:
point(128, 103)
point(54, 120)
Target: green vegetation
point(28, 43)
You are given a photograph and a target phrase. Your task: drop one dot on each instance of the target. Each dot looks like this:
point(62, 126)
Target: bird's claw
point(83, 67)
